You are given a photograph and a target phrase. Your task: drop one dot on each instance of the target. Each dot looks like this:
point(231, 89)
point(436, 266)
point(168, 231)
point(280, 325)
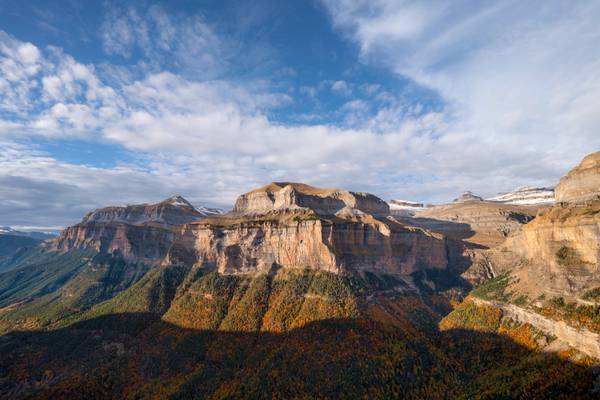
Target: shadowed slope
point(138, 356)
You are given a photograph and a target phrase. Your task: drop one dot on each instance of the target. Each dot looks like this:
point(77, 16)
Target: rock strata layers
point(301, 240)
point(579, 338)
point(482, 223)
point(558, 253)
point(281, 225)
point(141, 232)
point(582, 183)
point(285, 195)
point(467, 196)
point(526, 195)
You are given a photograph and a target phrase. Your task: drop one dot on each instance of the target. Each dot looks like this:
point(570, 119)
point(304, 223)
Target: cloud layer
point(519, 88)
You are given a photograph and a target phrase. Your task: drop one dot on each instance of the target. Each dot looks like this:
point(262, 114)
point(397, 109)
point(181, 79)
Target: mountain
point(480, 222)
point(404, 208)
point(108, 251)
point(12, 244)
point(526, 195)
point(547, 274)
point(467, 196)
point(139, 233)
point(295, 226)
point(298, 292)
point(582, 182)
point(470, 229)
point(289, 195)
point(7, 230)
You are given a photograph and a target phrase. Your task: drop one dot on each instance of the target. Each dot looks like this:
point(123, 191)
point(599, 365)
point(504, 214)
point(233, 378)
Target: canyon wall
point(304, 239)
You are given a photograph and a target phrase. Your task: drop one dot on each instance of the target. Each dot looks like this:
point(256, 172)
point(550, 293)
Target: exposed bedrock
point(303, 239)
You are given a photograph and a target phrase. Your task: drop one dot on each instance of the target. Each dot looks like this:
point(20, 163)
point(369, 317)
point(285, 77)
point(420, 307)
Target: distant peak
point(526, 195)
point(178, 201)
point(467, 196)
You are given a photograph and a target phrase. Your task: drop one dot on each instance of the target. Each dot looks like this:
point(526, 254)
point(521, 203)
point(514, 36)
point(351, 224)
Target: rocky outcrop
point(582, 183)
point(526, 195)
point(581, 339)
point(286, 195)
point(141, 232)
point(482, 223)
point(292, 225)
point(304, 239)
point(173, 211)
point(558, 253)
point(467, 196)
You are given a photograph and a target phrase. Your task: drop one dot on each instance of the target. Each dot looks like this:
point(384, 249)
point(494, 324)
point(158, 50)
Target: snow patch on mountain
point(404, 207)
point(526, 195)
point(34, 234)
point(208, 211)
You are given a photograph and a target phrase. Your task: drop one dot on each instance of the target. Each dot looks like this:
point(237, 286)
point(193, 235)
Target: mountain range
point(306, 292)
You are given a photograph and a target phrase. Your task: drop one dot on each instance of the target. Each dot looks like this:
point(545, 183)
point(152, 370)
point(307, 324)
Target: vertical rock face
point(285, 195)
point(581, 183)
point(559, 251)
point(305, 240)
point(142, 232)
point(483, 223)
point(172, 211)
point(285, 225)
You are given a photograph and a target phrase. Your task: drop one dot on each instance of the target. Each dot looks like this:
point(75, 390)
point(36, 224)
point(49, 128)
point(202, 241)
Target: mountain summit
point(154, 296)
point(467, 196)
point(582, 183)
point(172, 211)
point(286, 195)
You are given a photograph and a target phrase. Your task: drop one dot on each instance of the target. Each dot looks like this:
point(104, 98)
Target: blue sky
point(122, 102)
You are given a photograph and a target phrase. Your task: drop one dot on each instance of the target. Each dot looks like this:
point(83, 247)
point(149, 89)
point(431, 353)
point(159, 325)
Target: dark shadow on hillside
point(114, 355)
point(456, 234)
point(451, 229)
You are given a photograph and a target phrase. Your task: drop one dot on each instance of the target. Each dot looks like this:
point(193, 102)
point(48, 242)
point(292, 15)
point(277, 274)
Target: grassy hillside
point(11, 245)
point(101, 328)
point(45, 287)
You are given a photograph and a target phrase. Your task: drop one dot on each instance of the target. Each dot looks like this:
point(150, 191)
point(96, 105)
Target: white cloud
point(163, 39)
point(519, 80)
point(521, 108)
point(341, 87)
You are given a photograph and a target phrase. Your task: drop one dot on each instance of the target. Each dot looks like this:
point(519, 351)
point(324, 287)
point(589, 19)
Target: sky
point(115, 102)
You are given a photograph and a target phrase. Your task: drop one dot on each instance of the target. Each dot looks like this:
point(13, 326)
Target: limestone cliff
point(304, 239)
point(285, 195)
point(141, 232)
point(582, 183)
point(558, 253)
point(547, 274)
point(484, 223)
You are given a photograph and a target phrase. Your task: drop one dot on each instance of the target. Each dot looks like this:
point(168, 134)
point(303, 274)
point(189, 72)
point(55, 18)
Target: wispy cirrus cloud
point(517, 107)
point(160, 39)
point(516, 77)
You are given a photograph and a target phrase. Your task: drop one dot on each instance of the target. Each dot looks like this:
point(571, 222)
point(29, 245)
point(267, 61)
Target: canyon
point(290, 260)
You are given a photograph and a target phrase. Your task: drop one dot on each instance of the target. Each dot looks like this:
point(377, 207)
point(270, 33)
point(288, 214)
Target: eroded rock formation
point(558, 253)
point(141, 232)
point(582, 183)
point(286, 195)
point(298, 226)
